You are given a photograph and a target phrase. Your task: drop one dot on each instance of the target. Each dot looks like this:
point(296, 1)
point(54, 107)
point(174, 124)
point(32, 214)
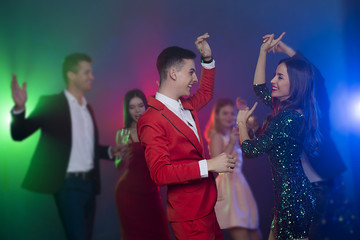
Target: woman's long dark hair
point(301, 77)
point(128, 96)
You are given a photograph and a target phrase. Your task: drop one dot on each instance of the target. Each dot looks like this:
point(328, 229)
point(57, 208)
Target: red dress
point(138, 201)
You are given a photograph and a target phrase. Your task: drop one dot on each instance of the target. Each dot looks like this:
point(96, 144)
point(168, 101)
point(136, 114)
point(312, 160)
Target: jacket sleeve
point(156, 142)
point(103, 152)
point(22, 127)
point(205, 91)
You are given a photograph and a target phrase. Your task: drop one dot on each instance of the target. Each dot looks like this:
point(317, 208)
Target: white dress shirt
point(82, 133)
point(177, 108)
point(82, 136)
point(185, 115)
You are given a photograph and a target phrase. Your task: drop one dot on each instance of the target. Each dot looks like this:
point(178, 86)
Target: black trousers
point(75, 202)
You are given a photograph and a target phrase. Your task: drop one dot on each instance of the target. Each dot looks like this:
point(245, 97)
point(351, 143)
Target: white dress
point(235, 206)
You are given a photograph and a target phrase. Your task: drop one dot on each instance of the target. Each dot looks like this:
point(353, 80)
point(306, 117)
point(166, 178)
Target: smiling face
point(83, 78)
point(226, 117)
point(136, 108)
point(185, 77)
point(281, 83)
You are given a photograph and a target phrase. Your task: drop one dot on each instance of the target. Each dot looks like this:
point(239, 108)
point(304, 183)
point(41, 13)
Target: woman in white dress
point(235, 208)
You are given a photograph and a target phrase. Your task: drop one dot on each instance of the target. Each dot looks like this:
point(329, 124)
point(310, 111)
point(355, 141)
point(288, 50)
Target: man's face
point(185, 77)
point(83, 78)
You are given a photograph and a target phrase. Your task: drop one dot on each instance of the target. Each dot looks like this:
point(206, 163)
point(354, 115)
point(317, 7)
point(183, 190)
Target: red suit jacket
point(172, 152)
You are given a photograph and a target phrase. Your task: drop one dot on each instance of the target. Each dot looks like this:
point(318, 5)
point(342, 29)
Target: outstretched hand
point(269, 43)
point(244, 114)
point(19, 95)
point(203, 46)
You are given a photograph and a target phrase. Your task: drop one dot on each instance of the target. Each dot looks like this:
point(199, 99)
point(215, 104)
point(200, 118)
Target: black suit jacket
point(49, 163)
point(326, 161)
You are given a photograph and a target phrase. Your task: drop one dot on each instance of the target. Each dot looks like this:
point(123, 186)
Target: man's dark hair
point(71, 63)
point(172, 56)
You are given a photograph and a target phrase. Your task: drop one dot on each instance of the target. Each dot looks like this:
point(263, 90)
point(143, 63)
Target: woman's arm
point(259, 77)
point(241, 120)
point(284, 127)
point(281, 47)
point(268, 44)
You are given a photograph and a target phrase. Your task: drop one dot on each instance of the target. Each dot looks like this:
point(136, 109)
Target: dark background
point(124, 39)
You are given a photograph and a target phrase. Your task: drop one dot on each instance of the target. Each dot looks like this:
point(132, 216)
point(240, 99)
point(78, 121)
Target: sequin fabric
point(294, 195)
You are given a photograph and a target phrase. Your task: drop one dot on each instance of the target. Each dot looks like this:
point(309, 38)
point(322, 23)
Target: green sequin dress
point(294, 195)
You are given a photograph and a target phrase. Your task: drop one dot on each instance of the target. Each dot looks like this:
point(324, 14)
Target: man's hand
point(121, 151)
point(221, 164)
point(19, 95)
point(203, 47)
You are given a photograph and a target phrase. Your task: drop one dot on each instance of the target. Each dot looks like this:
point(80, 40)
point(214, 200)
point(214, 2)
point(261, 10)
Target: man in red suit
point(170, 132)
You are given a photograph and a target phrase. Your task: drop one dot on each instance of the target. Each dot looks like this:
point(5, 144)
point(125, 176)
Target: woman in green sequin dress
point(291, 127)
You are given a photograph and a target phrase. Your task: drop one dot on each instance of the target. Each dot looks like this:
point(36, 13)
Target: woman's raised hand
point(244, 114)
point(269, 43)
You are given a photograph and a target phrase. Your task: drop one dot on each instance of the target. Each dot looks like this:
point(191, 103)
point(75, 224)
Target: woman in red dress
point(137, 197)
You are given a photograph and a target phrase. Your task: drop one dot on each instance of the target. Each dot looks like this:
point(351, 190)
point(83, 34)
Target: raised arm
point(268, 45)
point(19, 95)
point(241, 120)
point(20, 127)
point(281, 47)
point(205, 91)
point(203, 46)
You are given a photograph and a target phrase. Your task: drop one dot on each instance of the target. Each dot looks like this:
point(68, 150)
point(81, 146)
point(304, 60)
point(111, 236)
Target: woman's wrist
point(290, 52)
point(263, 52)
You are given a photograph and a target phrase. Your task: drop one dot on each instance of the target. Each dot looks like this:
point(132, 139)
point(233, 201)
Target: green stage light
point(8, 119)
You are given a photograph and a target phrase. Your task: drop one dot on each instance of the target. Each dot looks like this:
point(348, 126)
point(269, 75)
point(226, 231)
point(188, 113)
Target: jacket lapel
point(179, 125)
point(188, 106)
point(194, 115)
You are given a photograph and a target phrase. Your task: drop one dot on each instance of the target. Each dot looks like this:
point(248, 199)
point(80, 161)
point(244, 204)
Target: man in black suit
point(66, 160)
